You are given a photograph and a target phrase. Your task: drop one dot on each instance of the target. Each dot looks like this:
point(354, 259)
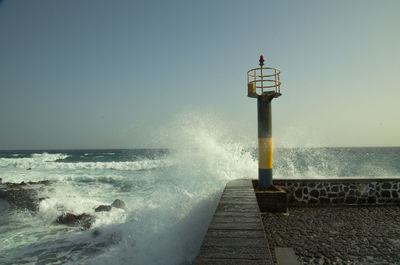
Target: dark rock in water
point(4, 205)
point(44, 182)
point(96, 232)
point(119, 204)
point(15, 185)
point(84, 220)
point(23, 183)
point(21, 198)
point(103, 208)
point(19, 195)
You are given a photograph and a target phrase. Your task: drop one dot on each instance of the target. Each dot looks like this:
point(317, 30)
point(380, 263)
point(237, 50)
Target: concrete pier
point(329, 221)
point(236, 233)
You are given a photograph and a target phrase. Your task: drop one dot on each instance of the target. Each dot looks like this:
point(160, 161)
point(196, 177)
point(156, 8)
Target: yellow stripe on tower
point(265, 153)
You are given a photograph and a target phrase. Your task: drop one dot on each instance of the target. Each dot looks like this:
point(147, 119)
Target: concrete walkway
point(236, 234)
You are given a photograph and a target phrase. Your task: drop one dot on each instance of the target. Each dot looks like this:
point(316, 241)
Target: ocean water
point(170, 194)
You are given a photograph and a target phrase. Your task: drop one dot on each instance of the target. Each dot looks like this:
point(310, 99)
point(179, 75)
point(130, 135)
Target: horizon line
point(166, 148)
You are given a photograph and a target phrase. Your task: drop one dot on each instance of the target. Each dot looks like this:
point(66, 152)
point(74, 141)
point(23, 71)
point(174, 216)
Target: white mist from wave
point(170, 226)
point(301, 153)
point(204, 143)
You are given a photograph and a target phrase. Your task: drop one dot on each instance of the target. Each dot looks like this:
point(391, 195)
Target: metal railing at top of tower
point(262, 79)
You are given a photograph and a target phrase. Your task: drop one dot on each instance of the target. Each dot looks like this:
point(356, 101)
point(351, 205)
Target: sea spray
point(337, 162)
point(206, 144)
point(171, 196)
point(202, 158)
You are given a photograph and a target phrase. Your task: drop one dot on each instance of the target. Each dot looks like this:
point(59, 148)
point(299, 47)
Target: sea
point(170, 194)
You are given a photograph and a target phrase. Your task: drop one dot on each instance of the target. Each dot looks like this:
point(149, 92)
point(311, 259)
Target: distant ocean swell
point(26, 163)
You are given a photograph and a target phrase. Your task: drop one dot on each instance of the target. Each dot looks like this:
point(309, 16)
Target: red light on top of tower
point(261, 60)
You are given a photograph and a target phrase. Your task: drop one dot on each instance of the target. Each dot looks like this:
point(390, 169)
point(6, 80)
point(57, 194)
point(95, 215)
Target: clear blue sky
point(106, 74)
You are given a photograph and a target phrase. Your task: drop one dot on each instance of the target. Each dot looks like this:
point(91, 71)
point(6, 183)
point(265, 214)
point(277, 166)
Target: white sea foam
point(34, 160)
point(170, 224)
point(46, 161)
point(48, 157)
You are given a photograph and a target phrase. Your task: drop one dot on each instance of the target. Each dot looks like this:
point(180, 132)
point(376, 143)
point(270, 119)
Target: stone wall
point(310, 192)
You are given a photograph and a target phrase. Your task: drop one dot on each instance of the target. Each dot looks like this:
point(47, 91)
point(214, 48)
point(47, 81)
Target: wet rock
point(21, 198)
point(21, 195)
point(96, 232)
point(23, 183)
point(44, 182)
point(4, 205)
point(70, 219)
point(12, 185)
point(103, 208)
point(119, 204)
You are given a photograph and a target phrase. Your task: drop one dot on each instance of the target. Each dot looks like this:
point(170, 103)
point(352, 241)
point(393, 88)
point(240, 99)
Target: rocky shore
point(25, 196)
point(337, 235)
